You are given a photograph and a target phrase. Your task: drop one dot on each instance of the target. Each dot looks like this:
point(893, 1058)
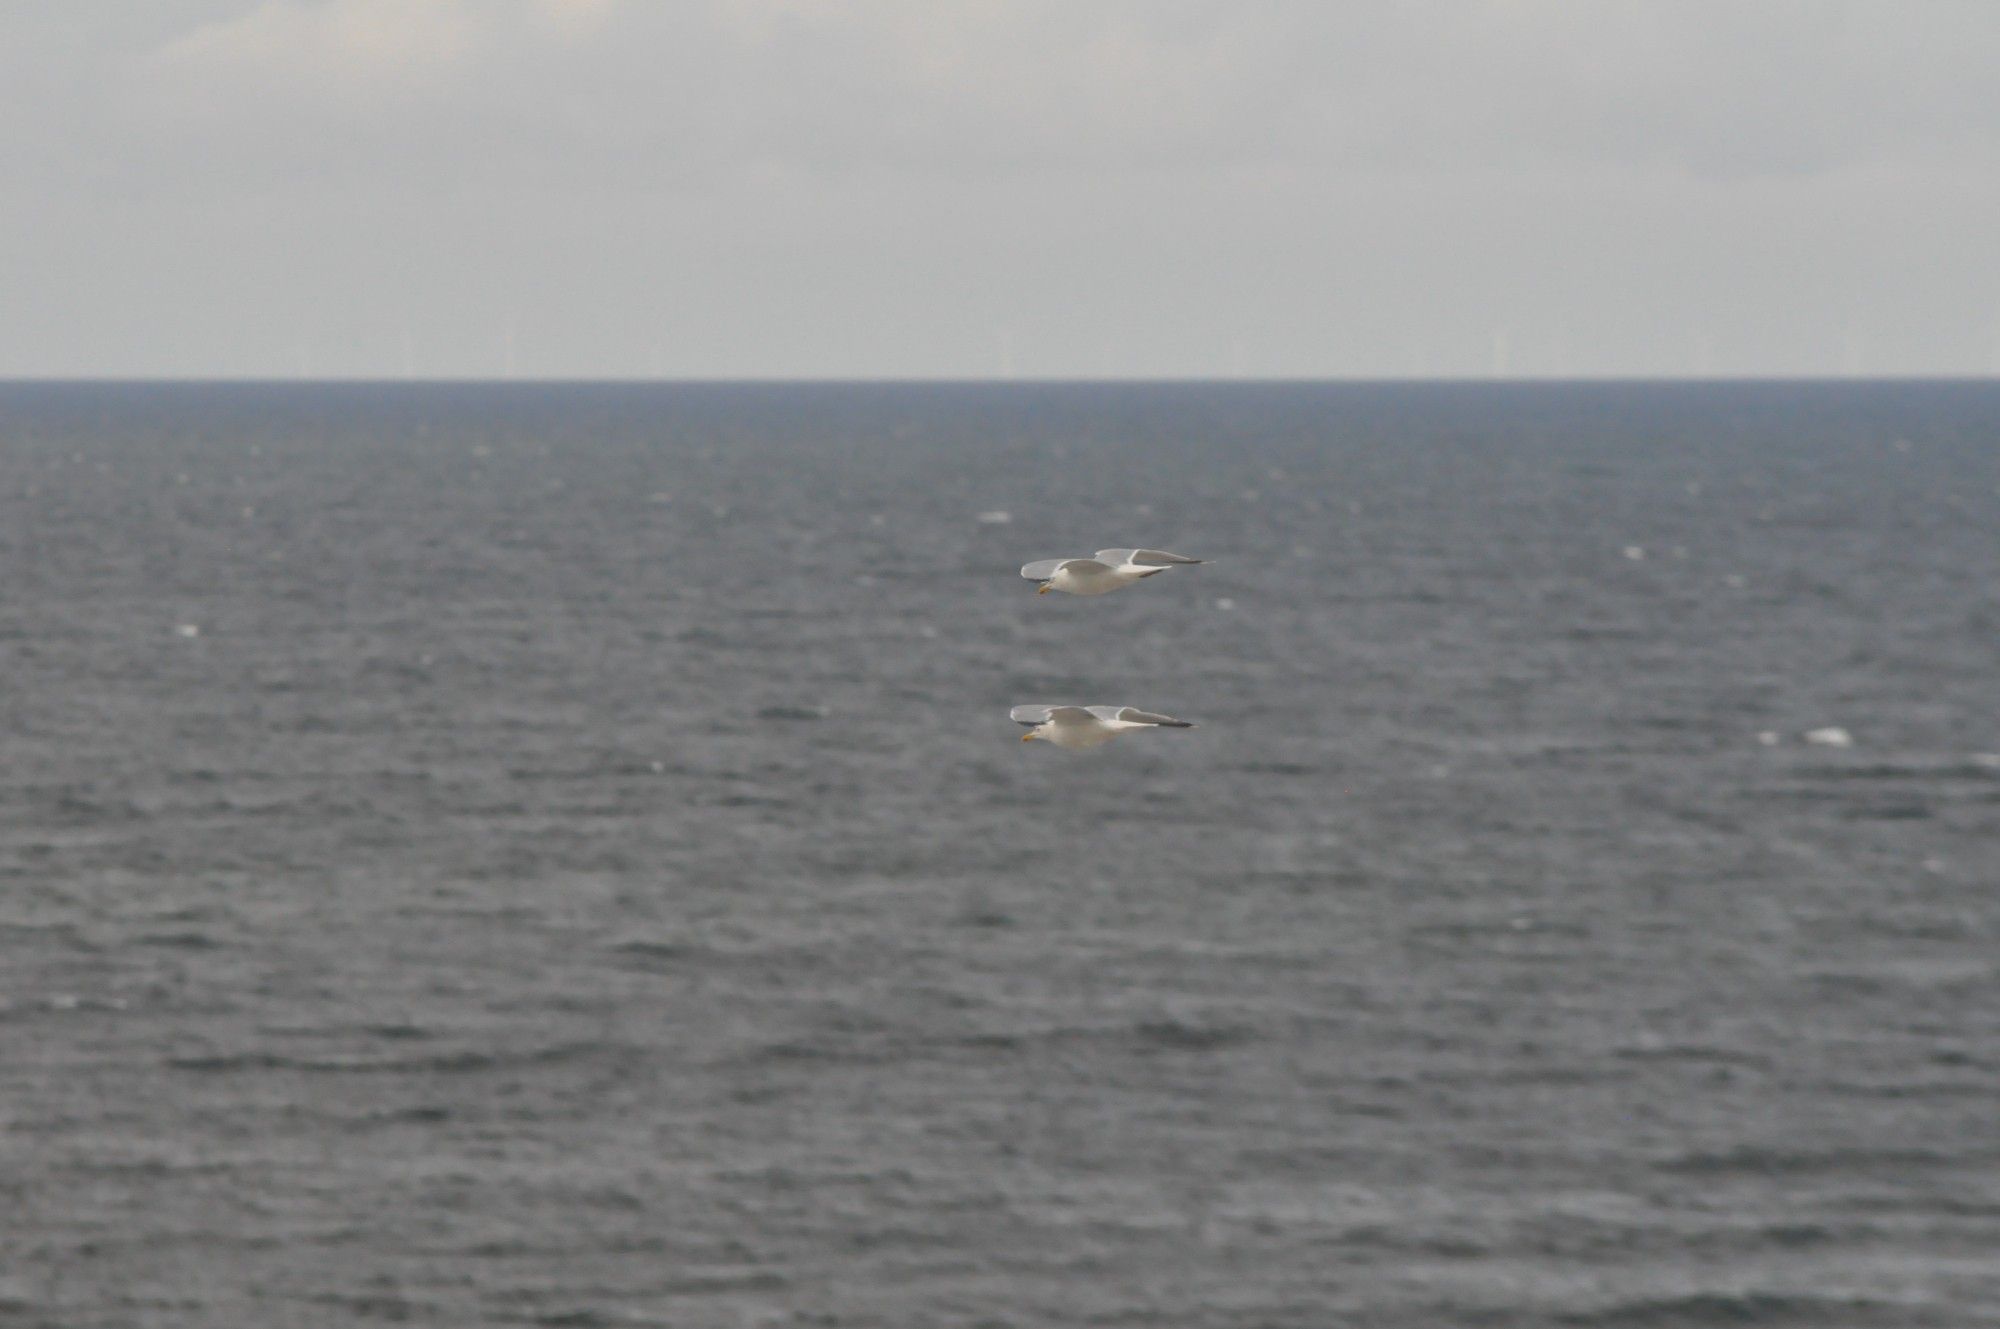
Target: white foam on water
point(1635, 552)
point(1833, 736)
point(995, 518)
point(187, 630)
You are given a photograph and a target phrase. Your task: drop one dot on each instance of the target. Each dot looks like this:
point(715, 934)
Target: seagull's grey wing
point(1145, 558)
point(1029, 715)
point(1069, 714)
point(1133, 715)
point(1042, 570)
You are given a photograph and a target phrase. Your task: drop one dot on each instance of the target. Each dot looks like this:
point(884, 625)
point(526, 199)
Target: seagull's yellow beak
point(1044, 589)
point(1028, 737)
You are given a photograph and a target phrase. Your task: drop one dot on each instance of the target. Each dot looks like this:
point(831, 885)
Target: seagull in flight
point(1105, 571)
point(1088, 726)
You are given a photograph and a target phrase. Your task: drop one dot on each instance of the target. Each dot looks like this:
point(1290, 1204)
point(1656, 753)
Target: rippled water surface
point(558, 855)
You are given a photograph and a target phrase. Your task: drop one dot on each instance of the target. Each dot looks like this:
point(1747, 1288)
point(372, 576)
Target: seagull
point(1107, 570)
point(1087, 726)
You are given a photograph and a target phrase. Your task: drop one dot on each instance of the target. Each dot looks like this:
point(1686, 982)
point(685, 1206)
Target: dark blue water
point(558, 855)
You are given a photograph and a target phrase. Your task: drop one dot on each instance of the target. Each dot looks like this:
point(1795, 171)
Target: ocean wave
point(443, 1063)
point(1768, 1159)
point(1732, 1308)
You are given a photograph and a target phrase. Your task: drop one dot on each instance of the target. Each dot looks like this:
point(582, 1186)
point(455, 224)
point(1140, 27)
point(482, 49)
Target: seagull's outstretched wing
point(1133, 715)
point(1145, 558)
point(1034, 715)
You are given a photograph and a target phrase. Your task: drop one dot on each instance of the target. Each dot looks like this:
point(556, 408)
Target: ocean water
point(557, 855)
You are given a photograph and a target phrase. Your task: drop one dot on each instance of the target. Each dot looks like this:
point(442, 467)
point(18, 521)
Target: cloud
point(705, 87)
point(575, 19)
point(336, 52)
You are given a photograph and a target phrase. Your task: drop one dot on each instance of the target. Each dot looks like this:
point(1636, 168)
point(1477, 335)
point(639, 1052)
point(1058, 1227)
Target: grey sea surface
point(557, 855)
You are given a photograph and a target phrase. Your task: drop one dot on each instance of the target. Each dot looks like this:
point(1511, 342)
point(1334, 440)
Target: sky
point(998, 188)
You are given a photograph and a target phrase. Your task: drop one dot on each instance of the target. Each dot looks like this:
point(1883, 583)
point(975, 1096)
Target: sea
point(557, 854)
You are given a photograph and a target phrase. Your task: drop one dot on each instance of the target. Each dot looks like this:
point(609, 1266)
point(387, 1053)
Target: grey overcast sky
point(976, 188)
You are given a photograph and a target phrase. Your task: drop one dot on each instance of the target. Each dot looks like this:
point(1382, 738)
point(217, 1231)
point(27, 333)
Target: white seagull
point(1106, 570)
point(1087, 726)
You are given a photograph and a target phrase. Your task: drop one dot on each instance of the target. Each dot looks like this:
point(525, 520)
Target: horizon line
point(940, 380)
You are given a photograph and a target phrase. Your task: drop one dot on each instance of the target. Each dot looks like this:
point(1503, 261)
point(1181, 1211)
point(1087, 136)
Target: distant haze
point(1042, 188)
